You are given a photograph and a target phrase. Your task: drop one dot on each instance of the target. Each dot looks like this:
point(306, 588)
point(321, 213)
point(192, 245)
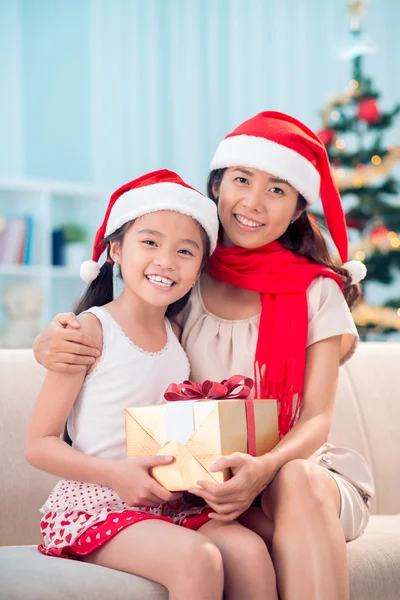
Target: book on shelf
point(16, 242)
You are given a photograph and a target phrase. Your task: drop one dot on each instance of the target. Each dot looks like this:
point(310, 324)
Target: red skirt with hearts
point(79, 518)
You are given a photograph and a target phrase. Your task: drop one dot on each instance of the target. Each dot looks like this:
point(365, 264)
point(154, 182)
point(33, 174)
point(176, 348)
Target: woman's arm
point(64, 347)
point(251, 475)
point(314, 423)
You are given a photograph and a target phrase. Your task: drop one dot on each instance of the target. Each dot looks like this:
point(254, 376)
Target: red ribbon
point(237, 386)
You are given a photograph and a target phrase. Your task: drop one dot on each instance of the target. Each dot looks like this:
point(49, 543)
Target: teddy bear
point(22, 306)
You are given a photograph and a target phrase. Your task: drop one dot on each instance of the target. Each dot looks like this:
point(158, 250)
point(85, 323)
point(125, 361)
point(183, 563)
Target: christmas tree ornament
point(368, 111)
point(327, 136)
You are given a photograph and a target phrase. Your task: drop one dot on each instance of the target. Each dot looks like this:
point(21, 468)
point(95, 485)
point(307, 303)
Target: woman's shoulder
point(324, 289)
point(329, 315)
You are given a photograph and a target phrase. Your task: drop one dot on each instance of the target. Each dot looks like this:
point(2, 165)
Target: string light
point(340, 172)
point(340, 144)
point(358, 182)
point(335, 115)
point(376, 160)
point(398, 312)
point(395, 242)
point(360, 255)
point(354, 84)
point(360, 166)
point(391, 235)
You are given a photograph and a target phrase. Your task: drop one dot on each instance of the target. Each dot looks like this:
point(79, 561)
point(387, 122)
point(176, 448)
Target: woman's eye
point(277, 190)
point(149, 242)
point(241, 179)
point(186, 252)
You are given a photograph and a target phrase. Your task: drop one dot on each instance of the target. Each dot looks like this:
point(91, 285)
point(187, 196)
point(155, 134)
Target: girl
point(273, 304)
point(108, 510)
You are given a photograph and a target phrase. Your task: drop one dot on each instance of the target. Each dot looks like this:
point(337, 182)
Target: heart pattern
point(84, 516)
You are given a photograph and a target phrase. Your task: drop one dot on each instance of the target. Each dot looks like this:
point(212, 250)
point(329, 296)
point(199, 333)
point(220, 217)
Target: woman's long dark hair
point(101, 290)
point(302, 237)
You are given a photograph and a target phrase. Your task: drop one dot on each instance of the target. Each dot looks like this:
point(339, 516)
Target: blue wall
point(56, 88)
point(103, 90)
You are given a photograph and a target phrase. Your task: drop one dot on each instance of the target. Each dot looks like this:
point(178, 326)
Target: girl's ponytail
point(100, 291)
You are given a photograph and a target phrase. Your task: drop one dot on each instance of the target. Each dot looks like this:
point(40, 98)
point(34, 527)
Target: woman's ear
point(115, 252)
point(297, 214)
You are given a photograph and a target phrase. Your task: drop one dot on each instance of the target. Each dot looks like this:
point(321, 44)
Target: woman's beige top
point(218, 348)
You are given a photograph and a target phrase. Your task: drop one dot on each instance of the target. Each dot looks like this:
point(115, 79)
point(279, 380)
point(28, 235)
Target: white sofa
point(367, 418)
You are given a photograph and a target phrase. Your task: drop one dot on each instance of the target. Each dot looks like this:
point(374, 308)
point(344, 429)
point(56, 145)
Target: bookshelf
point(48, 205)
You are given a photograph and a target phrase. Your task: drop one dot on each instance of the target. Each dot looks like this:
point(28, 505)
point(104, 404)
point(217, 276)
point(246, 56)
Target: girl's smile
point(161, 282)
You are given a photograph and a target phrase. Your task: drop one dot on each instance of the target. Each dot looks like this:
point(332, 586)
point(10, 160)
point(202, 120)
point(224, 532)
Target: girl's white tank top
point(125, 376)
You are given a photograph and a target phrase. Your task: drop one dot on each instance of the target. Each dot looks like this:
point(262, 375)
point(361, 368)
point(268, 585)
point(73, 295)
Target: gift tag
point(179, 421)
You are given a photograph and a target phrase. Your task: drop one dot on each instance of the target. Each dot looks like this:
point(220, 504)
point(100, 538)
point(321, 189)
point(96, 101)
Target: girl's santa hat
point(159, 190)
point(283, 146)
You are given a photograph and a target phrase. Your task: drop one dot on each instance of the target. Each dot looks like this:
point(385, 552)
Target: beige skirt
point(354, 508)
point(354, 480)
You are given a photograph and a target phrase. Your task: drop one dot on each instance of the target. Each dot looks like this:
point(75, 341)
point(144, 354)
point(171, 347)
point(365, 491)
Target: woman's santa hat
point(159, 190)
point(283, 146)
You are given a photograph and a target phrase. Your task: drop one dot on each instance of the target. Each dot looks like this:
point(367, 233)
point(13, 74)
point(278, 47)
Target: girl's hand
point(63, 348)
point(250, 477)
point(131, 480)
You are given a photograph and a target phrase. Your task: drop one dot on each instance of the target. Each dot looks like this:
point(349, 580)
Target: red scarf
point(282, 278)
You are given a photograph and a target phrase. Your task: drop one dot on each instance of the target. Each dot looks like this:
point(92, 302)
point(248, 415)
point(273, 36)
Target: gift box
point(197, 425)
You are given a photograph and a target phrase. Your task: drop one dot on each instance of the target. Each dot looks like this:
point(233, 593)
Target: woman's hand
point(250, 477)
point(63, 348)
point(131, 480)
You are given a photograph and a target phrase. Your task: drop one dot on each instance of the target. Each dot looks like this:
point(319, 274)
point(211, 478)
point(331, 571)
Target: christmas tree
point(354, 131)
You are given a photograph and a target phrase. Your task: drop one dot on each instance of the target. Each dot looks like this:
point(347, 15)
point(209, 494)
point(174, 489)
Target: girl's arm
point(43, 447)
point(45, 450)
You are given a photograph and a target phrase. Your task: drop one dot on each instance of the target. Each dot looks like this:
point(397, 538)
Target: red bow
point(236, 386)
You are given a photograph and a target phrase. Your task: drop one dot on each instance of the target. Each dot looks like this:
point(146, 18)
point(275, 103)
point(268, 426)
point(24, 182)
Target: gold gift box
point(220, 428)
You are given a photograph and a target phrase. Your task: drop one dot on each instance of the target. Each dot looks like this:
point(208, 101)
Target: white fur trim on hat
point(89, 271)
point(165, 196)
point(357, 270)
point(269, 156)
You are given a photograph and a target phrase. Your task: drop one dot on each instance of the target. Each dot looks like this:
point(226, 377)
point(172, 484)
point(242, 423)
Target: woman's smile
point(247, 224)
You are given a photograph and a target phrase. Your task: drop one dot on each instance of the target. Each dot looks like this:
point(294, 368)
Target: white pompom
point(89, 271)
point(357, 270)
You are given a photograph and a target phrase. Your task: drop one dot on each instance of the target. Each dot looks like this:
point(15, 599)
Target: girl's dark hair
point(101, 290)
point(302, 237)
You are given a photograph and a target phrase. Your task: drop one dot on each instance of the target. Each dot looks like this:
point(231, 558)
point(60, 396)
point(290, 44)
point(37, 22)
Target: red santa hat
point(283, 146)
point(159, 190)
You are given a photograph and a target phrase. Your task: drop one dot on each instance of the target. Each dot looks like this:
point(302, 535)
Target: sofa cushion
point(374, 560)
point(26, 574)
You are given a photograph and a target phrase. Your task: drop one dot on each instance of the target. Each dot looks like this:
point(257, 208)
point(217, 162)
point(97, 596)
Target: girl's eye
point(277, 190)
point(241, 179)
point(149, 242)
point(186, 252)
